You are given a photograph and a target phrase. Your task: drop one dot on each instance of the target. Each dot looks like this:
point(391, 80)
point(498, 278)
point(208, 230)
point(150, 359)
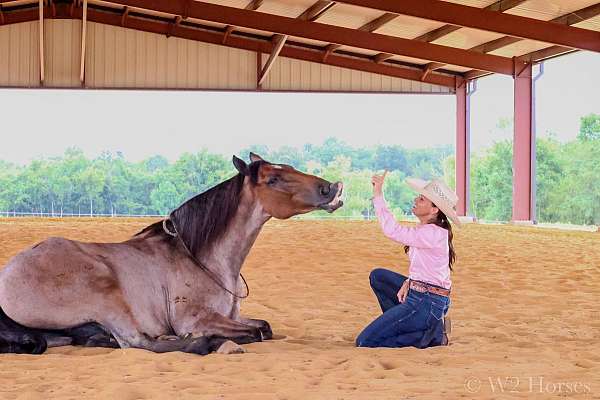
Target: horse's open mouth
point(336, 202)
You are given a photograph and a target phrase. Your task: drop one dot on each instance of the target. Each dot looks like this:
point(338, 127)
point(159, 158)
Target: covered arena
point(524, 314)
point(525, 300)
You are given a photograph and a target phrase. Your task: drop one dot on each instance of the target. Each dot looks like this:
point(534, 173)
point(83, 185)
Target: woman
point(414, 307)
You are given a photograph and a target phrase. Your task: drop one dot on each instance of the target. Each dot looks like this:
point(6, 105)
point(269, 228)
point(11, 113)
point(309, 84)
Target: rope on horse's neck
point(208, 272)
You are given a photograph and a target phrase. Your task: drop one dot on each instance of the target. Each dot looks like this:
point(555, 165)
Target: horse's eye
point(272, 180)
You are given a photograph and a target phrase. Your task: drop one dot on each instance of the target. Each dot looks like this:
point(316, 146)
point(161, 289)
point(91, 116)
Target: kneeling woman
point(414, 307)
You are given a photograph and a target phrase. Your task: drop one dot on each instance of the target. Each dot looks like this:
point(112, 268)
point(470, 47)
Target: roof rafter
point(493, 21)
point(498, 6)
point(316, 10)
point(253, 6)
point(278, 43)
point(539, 55)
point(186, 31)
point(370, 26)
point(326, 33)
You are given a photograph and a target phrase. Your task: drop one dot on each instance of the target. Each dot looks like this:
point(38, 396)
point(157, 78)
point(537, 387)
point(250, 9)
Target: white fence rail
point(14, 214)
point(17, 214)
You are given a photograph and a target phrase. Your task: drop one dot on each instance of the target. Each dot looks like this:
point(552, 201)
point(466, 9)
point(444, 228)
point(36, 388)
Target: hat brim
point(419, 186)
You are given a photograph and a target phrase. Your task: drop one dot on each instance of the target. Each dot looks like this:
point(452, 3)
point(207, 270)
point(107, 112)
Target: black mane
point(203, 219)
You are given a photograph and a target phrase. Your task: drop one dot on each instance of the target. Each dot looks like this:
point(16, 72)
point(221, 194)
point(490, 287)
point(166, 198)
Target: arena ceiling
point(439, 42)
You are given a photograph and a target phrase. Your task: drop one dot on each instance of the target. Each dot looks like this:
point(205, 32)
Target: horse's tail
point(16, 338)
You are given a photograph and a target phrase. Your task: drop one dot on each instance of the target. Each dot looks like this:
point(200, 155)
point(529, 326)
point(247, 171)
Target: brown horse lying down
point(179, 277)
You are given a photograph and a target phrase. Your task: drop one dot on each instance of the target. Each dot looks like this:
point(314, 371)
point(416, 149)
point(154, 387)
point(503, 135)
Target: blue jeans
point(417, 322)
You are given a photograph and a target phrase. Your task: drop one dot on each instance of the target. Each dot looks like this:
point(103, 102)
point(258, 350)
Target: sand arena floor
point(525, 315)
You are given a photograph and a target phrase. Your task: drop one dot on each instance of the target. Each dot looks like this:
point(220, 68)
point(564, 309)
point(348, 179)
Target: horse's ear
point(241, 166)
point(255, 157)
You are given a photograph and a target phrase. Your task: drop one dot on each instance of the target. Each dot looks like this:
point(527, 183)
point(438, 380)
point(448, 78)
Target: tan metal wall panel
point(20, 55)
point(62, 52)
point(119, 57)
point(122, 58)
point(290, 74)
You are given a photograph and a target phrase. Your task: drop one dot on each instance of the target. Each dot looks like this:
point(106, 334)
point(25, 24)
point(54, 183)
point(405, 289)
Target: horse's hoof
point(197, 345)
point(266, 331)
point(230, 347)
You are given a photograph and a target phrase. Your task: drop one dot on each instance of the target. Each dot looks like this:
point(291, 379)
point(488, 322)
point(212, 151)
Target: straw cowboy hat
point(439, 193)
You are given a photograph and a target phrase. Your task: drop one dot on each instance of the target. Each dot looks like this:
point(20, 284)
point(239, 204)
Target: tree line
point(568, 177)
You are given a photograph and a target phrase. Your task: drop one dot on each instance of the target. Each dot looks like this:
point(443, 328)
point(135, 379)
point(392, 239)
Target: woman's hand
point(403, 292)
point(377, 181)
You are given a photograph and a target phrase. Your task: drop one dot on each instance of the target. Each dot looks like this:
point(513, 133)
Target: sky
point(43, 123)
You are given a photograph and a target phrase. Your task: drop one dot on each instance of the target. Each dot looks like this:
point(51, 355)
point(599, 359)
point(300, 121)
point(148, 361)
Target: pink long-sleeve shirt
point(428, 243)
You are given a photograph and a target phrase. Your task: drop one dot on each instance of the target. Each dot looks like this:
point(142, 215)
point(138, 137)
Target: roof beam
point(498, 6)
point(544, 54)
point(316, 10)
point(63, 11)
point(124, 16)
point(241, 42)
point(265, 46)
point(252, 6)
point(533, 57)
point(370, 26)
point(539, 55)
point(15, 17)
point(278, 42)
point(579, 15)
point(378, 22)
point(493, 21)
point(83, 42)
point(41, 41)
point(326, 33)
point(567, 19)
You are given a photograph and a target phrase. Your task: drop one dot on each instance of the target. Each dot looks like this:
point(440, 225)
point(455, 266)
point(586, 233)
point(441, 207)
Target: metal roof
point(432, 41)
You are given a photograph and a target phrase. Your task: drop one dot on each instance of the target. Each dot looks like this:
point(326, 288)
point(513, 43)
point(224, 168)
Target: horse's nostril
point(324, 190)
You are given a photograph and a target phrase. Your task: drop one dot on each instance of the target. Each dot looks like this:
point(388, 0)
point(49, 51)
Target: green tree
point(91, 183)
point(397, 193)
point(259, 149)
point(577, 199)
point(288, 155)
point(549, 174)
point(491, 184)
point(589, 128)
point(330, 149)
point(164, 198)
point(392, 158)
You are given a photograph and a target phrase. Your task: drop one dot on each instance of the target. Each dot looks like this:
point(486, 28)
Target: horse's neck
point(227, 254)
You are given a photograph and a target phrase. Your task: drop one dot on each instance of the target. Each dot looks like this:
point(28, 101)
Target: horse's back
point(55, 284)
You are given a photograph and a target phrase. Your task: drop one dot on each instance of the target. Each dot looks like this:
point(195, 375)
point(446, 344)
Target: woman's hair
point(442, 221)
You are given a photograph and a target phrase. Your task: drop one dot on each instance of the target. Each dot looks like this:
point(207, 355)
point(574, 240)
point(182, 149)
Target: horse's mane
point(203, 219)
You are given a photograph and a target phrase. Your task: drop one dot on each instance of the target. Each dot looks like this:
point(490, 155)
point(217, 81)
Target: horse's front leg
point(217, 325)
point(224, 334)
point(262, 325)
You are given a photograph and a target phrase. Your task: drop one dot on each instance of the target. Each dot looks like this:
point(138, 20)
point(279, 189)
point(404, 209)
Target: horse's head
point(284, 192)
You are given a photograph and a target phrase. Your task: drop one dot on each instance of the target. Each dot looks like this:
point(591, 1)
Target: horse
point(173, 286)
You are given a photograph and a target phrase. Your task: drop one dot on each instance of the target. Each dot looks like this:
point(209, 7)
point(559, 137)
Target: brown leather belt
point(423, 287)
